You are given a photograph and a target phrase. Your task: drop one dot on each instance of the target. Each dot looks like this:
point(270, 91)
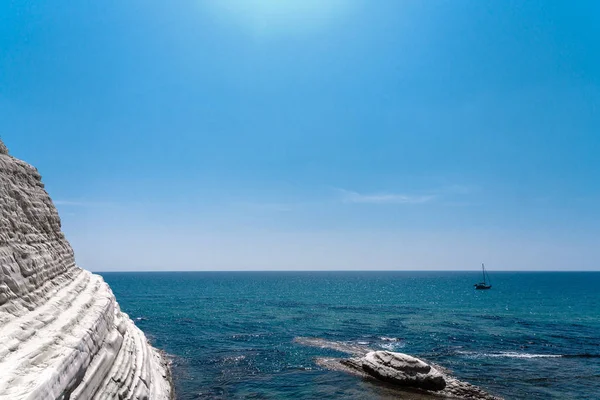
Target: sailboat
point(485, 284)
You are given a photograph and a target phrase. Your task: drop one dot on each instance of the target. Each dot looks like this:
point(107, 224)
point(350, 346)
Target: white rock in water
point(62, 334)
point(403, 370)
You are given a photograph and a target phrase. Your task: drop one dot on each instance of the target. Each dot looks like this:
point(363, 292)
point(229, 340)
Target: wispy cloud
point(449, 194)
point(71, 203)
point(349, 196)
point(281, 207)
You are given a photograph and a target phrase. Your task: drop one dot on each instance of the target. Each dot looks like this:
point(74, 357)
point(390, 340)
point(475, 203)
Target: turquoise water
point(231, 334)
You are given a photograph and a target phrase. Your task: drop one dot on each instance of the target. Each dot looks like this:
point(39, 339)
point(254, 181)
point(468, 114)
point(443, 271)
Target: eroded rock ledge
point(62, 334)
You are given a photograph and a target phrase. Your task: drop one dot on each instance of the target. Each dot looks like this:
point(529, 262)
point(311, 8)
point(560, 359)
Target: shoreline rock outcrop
point(62, 333)
point(402, 372)
point(402, 369)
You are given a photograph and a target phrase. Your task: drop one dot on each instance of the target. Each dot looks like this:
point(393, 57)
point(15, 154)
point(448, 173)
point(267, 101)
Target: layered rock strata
point(62, 334)
point(403, 370)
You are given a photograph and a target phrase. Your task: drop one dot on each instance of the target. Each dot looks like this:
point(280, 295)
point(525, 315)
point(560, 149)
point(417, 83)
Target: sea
point(239, 335)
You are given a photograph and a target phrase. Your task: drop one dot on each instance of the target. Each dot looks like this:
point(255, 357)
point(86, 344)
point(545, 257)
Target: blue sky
point(261, 134)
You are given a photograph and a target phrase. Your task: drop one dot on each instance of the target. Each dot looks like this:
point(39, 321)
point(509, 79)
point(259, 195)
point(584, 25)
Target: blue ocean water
point(231, 334)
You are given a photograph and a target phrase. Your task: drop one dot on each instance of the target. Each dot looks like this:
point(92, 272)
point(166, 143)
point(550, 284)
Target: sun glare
point(276, 16)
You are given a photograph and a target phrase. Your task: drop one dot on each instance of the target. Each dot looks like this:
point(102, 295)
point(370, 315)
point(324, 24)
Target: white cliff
point(62, 334)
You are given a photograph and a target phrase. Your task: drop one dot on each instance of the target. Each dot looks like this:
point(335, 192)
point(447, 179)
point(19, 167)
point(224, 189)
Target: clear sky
point(311, 134)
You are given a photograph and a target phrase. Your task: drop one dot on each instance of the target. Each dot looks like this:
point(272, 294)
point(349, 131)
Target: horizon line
point(349, 270)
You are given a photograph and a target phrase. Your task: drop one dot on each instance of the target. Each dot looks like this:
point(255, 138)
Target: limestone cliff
point(62, 334)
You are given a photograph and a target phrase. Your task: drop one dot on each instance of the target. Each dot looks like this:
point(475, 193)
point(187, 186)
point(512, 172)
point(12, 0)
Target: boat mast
point(483, 272)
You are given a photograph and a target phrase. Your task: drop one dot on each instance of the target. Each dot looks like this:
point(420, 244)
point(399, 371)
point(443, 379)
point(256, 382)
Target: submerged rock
point(62, 333)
